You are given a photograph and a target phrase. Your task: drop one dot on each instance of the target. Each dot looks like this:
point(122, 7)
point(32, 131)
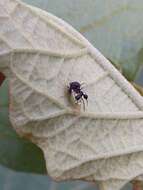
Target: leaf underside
point(102, 143)
point(15, 152)
point(114, 27)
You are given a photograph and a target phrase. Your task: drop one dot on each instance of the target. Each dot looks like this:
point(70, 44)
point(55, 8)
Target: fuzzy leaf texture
point(118, 23)
point(40, 54)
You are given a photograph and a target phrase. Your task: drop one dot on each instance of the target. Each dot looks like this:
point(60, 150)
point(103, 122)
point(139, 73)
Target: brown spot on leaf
point(2, 77)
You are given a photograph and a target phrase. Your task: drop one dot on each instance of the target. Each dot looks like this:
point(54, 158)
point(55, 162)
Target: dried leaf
point(41, 54)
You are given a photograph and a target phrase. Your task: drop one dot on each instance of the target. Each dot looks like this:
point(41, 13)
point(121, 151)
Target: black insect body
point(75, 86)
point(79, 95)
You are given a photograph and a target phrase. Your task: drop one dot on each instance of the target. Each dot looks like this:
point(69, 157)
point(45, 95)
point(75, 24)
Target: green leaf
point(15, 152)
point(114, 27)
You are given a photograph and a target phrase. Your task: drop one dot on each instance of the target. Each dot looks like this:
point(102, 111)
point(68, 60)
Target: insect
point(75, 87)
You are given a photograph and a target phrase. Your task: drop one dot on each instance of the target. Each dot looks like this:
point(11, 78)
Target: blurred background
point(116, 29)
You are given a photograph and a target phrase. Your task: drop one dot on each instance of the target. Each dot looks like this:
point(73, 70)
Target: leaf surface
point(115, 27)
point(41, 55)
point(15, 152)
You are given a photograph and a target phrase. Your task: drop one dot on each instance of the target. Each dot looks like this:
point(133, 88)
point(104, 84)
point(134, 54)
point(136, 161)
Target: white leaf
point(41, 55)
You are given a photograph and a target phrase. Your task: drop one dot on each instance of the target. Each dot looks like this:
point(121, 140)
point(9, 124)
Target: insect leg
point(82, 85)
point(83, 104)
point(87, 101)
